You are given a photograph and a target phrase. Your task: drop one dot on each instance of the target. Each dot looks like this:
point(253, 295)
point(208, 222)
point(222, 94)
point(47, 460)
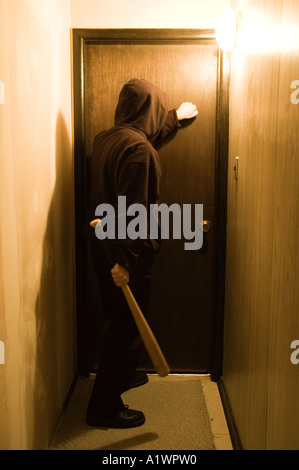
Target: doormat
point(176, 418)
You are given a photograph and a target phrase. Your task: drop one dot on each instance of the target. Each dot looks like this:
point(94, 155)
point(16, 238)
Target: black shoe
point(124, 418)
point(140, 378)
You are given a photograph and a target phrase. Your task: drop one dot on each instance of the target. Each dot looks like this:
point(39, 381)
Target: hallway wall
point(36, 221)
point(262, 295)
point(144, 14)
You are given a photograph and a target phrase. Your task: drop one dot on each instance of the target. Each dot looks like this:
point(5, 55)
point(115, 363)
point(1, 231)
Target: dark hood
point(143, 106)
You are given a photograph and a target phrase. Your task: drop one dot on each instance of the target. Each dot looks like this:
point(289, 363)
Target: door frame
point(80, 39)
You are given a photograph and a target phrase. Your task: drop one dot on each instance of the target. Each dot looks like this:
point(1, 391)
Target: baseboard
point(231, 424)
point(70, 393)
point(64, 406)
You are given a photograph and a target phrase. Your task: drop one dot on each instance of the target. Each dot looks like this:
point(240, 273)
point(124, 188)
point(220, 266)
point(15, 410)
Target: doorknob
point(206, 226)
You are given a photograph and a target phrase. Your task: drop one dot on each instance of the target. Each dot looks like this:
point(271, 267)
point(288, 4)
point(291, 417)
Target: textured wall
point(262, 296)
point(36, 228)
point(146, 14)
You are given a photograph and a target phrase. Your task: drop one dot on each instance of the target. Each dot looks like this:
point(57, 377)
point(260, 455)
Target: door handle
point(206, 226)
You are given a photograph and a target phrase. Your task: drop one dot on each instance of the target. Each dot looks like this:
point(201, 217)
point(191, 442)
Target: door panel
point(183, 302)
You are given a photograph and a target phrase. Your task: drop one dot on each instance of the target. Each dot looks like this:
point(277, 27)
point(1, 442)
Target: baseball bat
point(151, 344)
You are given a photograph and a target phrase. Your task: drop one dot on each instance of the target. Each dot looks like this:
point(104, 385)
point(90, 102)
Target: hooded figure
point(125, 162)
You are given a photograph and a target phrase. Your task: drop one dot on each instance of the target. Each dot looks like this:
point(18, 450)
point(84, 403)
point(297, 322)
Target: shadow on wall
point(55, 365)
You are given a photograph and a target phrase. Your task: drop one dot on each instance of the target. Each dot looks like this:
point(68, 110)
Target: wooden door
point(184, 310)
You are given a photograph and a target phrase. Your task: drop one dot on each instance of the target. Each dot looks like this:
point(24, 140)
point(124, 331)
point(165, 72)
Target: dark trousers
point(121, 344)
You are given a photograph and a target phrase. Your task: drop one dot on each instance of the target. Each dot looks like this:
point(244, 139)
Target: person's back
point(116, 153)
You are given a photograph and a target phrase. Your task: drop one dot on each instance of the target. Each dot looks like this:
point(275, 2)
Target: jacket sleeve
point(171, 123)
point(132, 182)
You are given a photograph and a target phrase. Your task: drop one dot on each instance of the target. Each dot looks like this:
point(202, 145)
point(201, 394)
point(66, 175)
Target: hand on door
point(187, 110)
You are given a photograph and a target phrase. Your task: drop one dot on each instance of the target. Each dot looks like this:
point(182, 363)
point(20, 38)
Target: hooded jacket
point(125, 161)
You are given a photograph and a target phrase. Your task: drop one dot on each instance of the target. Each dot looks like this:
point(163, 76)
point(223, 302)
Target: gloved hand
point(187, 110)
point(120, 275)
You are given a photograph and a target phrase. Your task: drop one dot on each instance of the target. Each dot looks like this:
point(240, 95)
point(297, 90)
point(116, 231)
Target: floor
point(182, 412)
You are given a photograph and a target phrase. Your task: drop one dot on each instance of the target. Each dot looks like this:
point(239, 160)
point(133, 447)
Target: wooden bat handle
point(148, 338)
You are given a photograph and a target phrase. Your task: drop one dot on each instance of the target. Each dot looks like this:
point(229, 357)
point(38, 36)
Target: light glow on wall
point(261, 34)
point(226, 30)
